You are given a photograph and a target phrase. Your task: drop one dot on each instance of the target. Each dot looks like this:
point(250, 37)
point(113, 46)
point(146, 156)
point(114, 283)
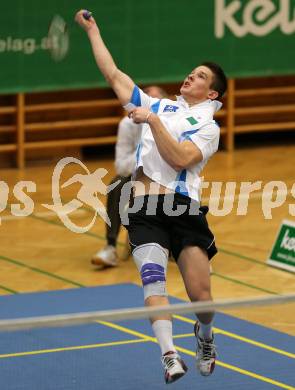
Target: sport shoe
point(174, 366)
point(106, 256)
point(205, 354)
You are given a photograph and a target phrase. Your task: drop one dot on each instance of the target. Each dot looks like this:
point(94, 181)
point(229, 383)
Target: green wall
point(152, 41)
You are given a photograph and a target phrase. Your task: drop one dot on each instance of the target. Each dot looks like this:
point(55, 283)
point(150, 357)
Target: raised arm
point(121, 83)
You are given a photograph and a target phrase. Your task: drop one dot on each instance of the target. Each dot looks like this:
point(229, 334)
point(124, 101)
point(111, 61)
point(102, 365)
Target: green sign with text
point(283, 252)
point(153, 41)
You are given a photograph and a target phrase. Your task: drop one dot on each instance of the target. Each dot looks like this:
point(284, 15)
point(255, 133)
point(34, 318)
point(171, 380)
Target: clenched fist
point(140, 115)
point(86, 24)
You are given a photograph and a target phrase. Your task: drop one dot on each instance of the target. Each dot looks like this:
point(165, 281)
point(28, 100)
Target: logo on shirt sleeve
point(170, 108)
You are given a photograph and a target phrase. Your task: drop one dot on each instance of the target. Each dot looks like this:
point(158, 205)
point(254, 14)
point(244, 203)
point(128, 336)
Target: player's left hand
point(139, 115)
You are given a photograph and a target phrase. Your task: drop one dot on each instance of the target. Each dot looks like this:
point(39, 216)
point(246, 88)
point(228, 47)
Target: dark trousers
point(113, 201)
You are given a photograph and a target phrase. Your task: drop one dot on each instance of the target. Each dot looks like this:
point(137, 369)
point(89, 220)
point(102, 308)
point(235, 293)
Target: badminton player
point(178, 138)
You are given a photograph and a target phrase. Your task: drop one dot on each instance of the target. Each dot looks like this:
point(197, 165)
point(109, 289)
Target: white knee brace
point(151, 261)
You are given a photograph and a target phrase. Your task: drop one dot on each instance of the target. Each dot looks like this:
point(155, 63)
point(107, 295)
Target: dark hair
point(161, 91)
point(219, 83)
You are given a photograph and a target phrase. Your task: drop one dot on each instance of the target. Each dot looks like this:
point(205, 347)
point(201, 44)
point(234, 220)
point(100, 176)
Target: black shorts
point(171, 232)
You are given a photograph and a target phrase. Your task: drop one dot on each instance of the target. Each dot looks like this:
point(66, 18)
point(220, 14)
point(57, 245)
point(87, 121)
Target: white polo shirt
point(183, 122)
point(127, 141)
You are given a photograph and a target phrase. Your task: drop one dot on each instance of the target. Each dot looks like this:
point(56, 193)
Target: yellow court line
point(242, 371)
point(127, 330)
point(241, 338)
point(138, 334)
point(142, 339)
point(145, 338)
point(75, 348)
point(191, 353)
point(181, 336)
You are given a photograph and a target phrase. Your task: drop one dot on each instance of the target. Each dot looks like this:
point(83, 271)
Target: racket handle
point(87, 15)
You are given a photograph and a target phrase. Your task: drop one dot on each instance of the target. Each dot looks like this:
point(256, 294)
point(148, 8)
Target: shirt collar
point(214, 104)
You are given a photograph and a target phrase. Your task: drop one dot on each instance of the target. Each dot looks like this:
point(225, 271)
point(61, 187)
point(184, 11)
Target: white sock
point(163, 333)
point(205, 331)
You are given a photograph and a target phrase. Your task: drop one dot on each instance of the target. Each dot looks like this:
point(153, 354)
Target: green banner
point(152, 41)
point(283, 251)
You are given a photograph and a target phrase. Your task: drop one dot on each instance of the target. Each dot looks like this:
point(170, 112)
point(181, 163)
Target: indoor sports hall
point(69, 320)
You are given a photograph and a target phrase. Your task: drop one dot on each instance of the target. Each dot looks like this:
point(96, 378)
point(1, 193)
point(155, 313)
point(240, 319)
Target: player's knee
point(203, 295)
point(154, 289)
point(151, 261)
point(200, 293)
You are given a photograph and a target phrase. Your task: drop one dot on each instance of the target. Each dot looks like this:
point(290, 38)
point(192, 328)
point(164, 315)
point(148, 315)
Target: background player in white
point(128, 138)
point(177, 140)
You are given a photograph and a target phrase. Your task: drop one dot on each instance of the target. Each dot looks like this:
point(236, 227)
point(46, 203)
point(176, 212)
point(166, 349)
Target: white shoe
point(174, 366)
point(106, 256)
point(205, 354)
